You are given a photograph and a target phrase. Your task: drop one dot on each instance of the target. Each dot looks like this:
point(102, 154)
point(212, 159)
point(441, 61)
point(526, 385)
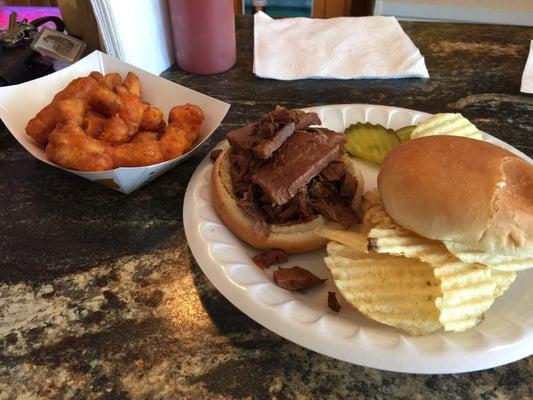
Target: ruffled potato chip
point(502, 262)
point(395, 291)
point(453, 124)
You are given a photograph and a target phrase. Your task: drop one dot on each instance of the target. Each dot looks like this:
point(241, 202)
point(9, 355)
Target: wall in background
point(306, 8)
point(505, 12)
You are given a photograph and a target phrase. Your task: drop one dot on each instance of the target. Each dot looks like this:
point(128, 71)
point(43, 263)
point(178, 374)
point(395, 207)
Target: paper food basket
point(20, 103)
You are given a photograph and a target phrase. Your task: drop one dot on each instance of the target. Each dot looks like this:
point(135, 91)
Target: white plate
point(505, 335)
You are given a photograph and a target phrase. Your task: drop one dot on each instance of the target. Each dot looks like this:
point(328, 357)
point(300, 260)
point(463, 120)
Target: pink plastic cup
point(204, 35)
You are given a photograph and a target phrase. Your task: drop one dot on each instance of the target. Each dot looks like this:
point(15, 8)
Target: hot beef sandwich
point(280, 179)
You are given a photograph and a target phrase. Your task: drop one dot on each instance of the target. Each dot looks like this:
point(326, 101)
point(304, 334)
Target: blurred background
point(510, 12)
point(147, 42)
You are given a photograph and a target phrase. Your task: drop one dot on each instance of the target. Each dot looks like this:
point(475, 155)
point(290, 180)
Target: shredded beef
point(247, 203)
point(302, 202)
point(304, 120)
point(334, 170)
point(243, 138)
point(349, 186)
point(296, 278)
point(265, 148)
point(274, 256)
point(242, 164)
point(304, 178)
point(327, 200)
point(298, 161)
point(295, 210)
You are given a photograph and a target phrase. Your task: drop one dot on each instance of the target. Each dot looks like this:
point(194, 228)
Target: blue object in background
point(282, 8)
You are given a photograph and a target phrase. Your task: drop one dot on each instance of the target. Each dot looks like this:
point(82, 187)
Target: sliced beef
point(330, 194)
point(305, 120)
point(243, 138)
point(296, 278)
point(282, 175)
point(265, 148)
point(298, 161)
point(274, 256)
point(270, 132)
point(282, 116)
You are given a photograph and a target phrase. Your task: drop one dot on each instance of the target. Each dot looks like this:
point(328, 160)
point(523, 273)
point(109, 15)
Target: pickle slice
point(370, 142)
point(404, 134)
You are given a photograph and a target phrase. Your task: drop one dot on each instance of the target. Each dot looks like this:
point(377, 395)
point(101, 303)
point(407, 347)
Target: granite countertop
point(101, 298)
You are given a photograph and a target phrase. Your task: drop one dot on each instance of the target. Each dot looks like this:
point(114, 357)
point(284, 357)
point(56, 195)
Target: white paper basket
point(20, 103)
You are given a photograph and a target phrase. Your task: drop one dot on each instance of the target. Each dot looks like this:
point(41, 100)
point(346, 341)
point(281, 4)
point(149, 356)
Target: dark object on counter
point(274, 256)
point(21, 64)
point(296, 278)
point(18, 62)
point(58, 45)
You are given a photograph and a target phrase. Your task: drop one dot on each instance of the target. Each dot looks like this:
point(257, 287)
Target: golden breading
point(45, 121)
point(93, 123)
point(100, 122)
point(70, 147)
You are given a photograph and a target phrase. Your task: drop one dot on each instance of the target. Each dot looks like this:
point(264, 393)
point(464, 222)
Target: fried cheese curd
point(99, 122)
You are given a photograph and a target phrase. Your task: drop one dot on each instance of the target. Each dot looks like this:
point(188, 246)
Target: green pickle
point(405, 133)
point(370, 142)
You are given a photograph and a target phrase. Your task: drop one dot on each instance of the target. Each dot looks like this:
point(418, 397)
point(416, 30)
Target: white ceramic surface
point(505, 335)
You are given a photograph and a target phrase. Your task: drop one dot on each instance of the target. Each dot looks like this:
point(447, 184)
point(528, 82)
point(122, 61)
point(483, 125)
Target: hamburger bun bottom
point(291, 238)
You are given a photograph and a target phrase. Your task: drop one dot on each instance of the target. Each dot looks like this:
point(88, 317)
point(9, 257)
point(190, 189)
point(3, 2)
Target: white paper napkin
point(343, 48)
point(527, 76)
point(138, 32)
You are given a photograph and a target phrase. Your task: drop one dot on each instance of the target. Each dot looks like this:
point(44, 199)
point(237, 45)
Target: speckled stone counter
point(101, 298)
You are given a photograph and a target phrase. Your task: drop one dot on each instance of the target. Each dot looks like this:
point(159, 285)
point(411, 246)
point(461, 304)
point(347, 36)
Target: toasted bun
point(462, 190)
point(292, 238)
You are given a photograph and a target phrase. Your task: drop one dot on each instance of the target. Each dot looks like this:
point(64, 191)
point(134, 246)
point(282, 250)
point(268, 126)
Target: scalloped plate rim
point(358, 347)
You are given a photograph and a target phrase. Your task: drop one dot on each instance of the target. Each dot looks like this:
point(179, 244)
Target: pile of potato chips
point(418, 285)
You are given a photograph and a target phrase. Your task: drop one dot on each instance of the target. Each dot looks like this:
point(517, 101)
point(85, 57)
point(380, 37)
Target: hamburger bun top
point(461, 190)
